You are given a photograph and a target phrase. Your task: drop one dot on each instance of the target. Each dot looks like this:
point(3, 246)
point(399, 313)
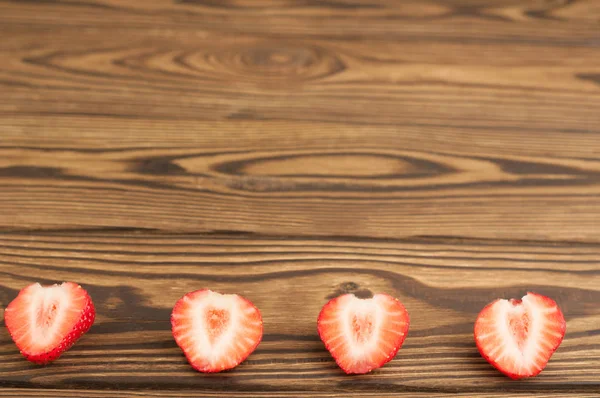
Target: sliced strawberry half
point(518, 337)
point(216, 331)
point(363, 334)
point(45, 321)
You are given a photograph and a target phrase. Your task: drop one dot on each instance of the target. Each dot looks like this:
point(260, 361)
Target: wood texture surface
point(445, 151)
point(135, 278)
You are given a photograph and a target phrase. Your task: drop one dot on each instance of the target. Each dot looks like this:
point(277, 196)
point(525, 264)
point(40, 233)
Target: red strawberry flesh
point(45, 321)
point(216, 331)
point(518, 337)
point(363, 334)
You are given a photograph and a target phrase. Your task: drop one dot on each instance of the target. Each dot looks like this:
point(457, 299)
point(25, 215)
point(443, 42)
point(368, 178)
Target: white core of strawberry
point(205, 348)
point(48, 308)
point(524, 353)
point(368, 313)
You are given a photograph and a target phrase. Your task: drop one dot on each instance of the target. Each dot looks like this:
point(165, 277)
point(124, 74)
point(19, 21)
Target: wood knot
point(351, 288)
point(276, 62)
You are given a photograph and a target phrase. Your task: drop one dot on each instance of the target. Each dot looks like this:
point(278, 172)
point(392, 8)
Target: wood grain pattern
point(448, 127)
point(135, 278)
point(309, 179)
point(445, 151)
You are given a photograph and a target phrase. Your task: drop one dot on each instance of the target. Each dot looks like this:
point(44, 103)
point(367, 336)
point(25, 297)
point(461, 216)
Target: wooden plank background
point(444, 151)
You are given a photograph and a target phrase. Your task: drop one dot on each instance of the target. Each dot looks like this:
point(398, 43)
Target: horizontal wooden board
point(135, 278)
point(20, 392)
point(299, 178)
point(185, 394)
point(458, 118)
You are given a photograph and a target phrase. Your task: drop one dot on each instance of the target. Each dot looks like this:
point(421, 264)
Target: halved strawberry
point(216, 331)
point(363, 334)
point(45, 321)
point(518, 337)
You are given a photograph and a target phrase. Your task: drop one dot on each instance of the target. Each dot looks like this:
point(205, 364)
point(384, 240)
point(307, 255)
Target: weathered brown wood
point(166, 393)
point(445, 151)
point(359, 118)
point(299, 178)
point(135, 278)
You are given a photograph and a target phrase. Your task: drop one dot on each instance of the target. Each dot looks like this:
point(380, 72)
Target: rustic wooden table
point(444, 151)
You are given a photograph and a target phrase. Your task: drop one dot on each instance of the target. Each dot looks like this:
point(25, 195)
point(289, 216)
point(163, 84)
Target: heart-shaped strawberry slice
point(216, 331)
point(45, 321)
point(518, 337)
point(363, 334)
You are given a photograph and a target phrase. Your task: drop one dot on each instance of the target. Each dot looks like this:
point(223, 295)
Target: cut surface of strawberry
point(363, 334)
point(45, 321)
point(216, 331)
point(518, 337)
